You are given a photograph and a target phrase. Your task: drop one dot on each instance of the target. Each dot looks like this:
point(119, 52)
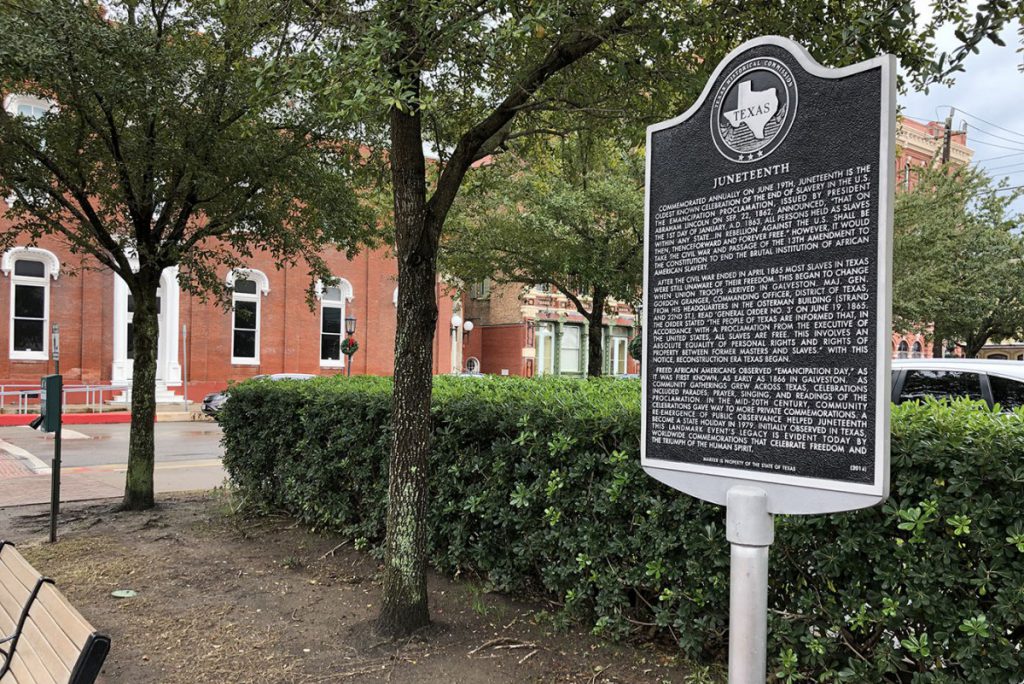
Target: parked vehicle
point(213, 403)
point(994, 382)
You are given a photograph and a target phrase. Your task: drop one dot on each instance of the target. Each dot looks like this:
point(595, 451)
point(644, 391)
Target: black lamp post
point(350, 344)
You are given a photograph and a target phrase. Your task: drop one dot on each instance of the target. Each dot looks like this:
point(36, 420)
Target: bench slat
point(58, 641)
point(10, 606)
point(65, 615)
point(20, 670)
point(19, 567)
point(28, 652)
point(42, 643)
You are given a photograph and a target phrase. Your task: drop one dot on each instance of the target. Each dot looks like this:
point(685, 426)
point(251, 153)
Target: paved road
point(188, 457)
point(90, 445)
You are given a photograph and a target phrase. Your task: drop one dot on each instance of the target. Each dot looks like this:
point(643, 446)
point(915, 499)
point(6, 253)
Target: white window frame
point(616, 341)
point(15, 100)
point(579, 370)
point(544, 331)
point(262, 289)
point(346, 296)
point(51, 269)
point(11, 104)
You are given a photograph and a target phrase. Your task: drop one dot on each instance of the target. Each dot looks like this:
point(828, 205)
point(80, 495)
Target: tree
point(958, 259)
point(571, 215)
point(474, 77)
point(174, 137)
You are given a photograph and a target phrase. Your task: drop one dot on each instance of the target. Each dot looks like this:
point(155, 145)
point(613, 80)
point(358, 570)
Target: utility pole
point(947, 138)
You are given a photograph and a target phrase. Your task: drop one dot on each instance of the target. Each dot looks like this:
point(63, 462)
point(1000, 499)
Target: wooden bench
point(43, 639)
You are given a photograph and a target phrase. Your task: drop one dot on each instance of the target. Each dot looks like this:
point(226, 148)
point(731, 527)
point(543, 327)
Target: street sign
point(767, 283)
point(55, 342)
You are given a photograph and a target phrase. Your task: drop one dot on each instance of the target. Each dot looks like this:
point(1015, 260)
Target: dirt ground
point(222, 598)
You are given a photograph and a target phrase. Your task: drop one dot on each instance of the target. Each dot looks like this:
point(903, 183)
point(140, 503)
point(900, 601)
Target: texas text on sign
point(767, 281)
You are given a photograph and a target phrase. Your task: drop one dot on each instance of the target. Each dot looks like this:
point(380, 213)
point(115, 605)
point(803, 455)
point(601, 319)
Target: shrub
point(536, 488)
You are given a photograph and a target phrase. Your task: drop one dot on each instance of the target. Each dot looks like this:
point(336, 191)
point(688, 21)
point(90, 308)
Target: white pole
point(750, 530)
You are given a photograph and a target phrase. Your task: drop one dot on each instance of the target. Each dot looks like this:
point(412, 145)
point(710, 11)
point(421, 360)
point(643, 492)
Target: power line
point(1002, 147)
point(1003, 166)
point(1002, 156)
point(975, 128)
point(975, 116)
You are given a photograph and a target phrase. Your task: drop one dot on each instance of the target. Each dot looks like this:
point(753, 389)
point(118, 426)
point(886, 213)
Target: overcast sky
point(989, 96)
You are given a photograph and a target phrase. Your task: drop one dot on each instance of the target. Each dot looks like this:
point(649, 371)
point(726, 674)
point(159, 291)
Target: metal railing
point(95, 396)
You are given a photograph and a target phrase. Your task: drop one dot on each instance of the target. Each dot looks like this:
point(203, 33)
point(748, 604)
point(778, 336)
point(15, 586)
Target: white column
point(121, 371)
point(170, 326)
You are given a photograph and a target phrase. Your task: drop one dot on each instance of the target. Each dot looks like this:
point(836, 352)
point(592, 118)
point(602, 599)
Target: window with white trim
point(28, 106)
point(30, 111)
point(570, 359)
point(332, 329)
point(481, 289)
point(30, 308)
point(620, 352)
point(245, 329)
point(544, 340)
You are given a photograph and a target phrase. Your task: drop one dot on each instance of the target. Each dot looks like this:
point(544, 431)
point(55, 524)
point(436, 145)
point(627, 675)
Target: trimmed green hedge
point(537, 488)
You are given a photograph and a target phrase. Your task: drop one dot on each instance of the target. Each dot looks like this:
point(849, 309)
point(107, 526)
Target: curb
point(69, 418)
point(12, 420)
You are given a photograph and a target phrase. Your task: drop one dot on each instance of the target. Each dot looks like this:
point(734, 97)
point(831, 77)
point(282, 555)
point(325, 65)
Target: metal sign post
point(55, 391)
point(750, 529)
point(767, 288)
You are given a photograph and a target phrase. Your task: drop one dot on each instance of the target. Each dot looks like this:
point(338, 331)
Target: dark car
point(213, 403)
point(994, 382)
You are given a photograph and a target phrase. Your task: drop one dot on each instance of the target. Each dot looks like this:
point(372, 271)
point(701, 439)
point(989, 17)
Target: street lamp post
point(460, 331)
point(349, 346)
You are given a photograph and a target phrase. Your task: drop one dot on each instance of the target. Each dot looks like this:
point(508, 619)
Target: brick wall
point(501, 348)
point(82, 302)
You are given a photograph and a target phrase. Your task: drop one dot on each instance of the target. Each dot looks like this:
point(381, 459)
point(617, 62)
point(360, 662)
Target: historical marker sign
point(767, 283)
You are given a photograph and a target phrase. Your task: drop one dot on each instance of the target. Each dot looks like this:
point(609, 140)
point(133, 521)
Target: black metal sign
point(767, 282)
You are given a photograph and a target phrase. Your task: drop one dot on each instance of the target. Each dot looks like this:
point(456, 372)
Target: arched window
point(247, 286)
point(30, 270)
point(333, 303)
point(903, 350)
point(915, 351)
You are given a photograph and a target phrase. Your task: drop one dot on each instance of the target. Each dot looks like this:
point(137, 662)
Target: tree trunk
point(595, 350)
point(138, 489)
point(938, 344)
point(975, 344)
point(404, 607)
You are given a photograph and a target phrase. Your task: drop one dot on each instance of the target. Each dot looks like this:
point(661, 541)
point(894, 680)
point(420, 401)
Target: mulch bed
point(226, 598)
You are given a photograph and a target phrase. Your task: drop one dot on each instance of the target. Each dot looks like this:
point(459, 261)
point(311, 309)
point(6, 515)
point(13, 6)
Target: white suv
point(995, 382)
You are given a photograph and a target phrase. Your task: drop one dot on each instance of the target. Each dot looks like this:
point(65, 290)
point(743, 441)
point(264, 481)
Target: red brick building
point(919, 145)
point(535, 330)
point(271, 328)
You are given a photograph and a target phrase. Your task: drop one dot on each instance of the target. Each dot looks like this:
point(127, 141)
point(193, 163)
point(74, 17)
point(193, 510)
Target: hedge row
point(537, 489)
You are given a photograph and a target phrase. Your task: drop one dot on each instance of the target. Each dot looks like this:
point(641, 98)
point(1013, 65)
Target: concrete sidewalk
point(21, 486)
